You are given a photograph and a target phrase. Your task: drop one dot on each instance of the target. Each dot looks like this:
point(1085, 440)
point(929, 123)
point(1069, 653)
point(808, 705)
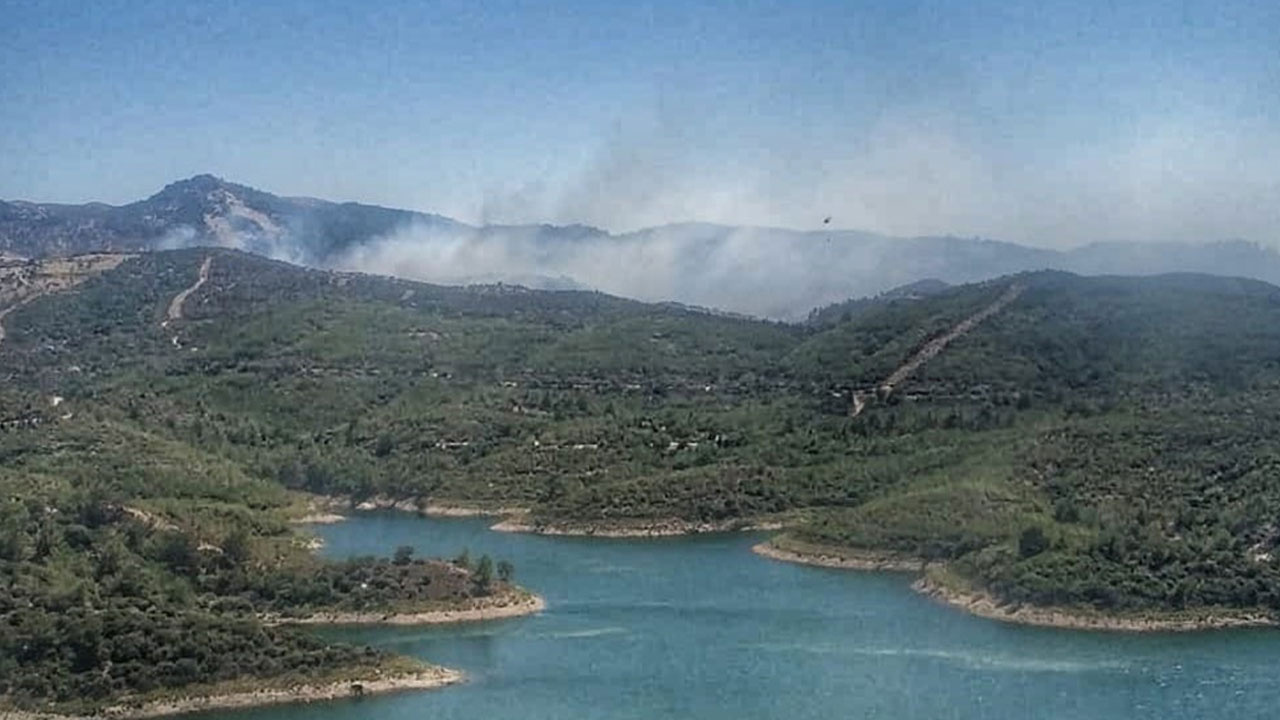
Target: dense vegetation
point(133, 563)
point(123, 575)
point(1100, 442)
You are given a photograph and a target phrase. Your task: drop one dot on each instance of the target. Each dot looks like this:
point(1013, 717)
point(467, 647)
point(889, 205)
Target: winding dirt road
point(175, 305)
point(935, 346)
point(6, 311)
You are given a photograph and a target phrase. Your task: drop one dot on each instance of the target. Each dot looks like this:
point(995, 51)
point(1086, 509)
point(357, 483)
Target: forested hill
point(1104, 442)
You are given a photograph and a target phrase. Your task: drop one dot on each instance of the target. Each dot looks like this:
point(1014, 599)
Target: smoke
point(755, 271)
point(907, 176)
point(642, 180)
point(1196, 177)
point(700, 227)
point(178, 237)
point(241, 228)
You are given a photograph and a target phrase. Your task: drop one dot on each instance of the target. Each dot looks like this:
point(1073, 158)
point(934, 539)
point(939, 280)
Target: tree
point(237, 548)
point(110, 557)
point(463, 560)
point(506, 570)
point(484, 572)
point(13, 537)
point(404, 555)
point(1032, 542)
point(179, 551)
point(1066, 510)
point(47, 537)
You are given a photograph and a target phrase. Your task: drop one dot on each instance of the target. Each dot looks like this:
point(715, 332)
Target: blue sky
point(1051, 123)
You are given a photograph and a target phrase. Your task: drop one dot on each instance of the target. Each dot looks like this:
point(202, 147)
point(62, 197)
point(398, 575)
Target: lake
point(702, 628)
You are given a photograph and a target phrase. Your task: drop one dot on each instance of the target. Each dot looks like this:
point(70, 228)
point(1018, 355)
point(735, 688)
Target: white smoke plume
point(906, 177)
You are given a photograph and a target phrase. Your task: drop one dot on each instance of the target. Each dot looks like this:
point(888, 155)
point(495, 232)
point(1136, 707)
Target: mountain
point(202, 210)
point(764, 272)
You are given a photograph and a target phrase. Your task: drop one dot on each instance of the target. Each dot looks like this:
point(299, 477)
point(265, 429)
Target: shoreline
point(514, 519)
point(985, 605)
point(819, 556)
point(429, 678)
point(653, 529)
point(527, 604)
point(432, 509)
point(325, 510)
point(423, 680)
point(319, 518)
point(975, 602)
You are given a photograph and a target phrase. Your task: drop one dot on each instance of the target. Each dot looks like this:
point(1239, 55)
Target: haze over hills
point(766, 272)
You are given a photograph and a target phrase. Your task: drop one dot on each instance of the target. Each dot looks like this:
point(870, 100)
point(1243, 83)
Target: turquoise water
point(702, 628)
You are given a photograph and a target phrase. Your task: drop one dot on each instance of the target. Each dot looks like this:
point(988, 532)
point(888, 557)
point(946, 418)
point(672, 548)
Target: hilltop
point(201, 210)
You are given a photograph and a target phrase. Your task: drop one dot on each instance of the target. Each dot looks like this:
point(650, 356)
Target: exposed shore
point(506, 606)
point(517, 519)
point(319, 518)
point(651, 529)
point(985, 605)
point(433, 509)
point(326, 510)
point(426, 678)
point(820, 556)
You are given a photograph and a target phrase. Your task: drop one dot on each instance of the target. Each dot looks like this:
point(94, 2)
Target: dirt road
point(935, 346)
point(175, 305)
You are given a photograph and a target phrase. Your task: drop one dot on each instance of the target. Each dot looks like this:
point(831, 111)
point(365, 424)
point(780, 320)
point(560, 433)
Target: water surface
point(702, 628)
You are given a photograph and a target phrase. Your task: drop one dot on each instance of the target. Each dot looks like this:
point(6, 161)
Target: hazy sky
point(1051, 123)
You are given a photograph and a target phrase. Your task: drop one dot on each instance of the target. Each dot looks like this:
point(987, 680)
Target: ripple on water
point(588, 633)
point(961, 658)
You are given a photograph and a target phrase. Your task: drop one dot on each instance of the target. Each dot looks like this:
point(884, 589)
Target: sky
point(1042, 122)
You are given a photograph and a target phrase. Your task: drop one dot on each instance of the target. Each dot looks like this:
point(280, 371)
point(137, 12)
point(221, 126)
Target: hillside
point(135, 564)
point(759, 271)
point(1120, 455)
point(1103, 444)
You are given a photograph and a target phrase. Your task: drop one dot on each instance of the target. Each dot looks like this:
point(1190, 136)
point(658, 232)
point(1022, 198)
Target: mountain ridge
point(767, 272)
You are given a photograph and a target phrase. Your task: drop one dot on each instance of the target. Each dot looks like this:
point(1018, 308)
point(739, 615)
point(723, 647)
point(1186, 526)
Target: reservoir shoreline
point(514, 519)
point(784, 549)
point(650, 529)
point(868, 561)
point(985, 605)
point(426, 678)
point(503, 607)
